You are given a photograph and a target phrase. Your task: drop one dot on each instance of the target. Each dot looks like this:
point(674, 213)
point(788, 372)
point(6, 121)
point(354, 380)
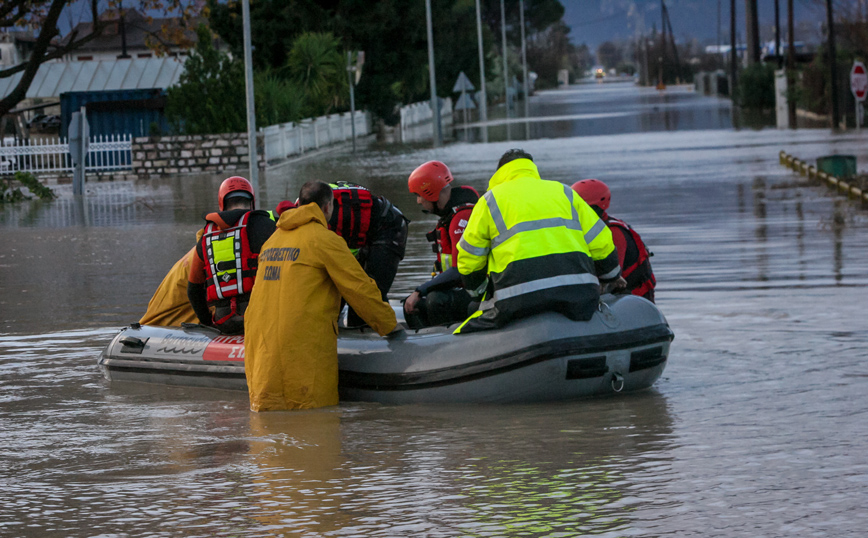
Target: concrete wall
point(170, 155)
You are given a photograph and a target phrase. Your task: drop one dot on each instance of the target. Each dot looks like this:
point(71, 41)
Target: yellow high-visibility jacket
point(291, 323)
point(540, 246)
point(169, 305)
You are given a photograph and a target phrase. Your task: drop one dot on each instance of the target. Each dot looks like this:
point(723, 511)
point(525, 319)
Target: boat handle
point(617, 382)
point(132, 341)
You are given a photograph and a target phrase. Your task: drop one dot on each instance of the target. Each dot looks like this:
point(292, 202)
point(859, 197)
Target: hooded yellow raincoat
point(291, 325)
point(170, 306)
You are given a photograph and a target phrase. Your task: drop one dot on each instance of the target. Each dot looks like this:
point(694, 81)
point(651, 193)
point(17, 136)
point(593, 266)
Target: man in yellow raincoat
point(170, 306)
point(291, 324)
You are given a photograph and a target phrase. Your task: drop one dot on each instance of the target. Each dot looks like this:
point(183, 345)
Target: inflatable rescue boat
point(546, 357)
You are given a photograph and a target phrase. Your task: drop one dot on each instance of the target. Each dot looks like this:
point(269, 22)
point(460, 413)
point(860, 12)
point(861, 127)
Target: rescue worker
point(224, 268)
point(533, 245)
point(291, 357)
point(633, 255)
point(169, 306)
point(374, 230)
point(441, 300)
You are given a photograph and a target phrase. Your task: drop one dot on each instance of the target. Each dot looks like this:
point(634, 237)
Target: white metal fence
point(417, 119)
point(294, 138)
point(51, 156)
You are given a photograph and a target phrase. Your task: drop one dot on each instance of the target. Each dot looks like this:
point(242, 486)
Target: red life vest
point(444, 246)
point(230, 266)
point(351, 218)
point(637, 265)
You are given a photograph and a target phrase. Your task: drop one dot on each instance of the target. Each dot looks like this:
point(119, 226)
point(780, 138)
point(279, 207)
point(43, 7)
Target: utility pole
point(647, 63)
point(791, 65)
point(435, 102)
point(718, 27)
point(483, 103)
point(505, 67)
point(733, 55)
point(524, 62)
point(751, 18)
point(662, 44)
point(833, 66)
point(778, 56)
point(351, 74)
point(251, 106)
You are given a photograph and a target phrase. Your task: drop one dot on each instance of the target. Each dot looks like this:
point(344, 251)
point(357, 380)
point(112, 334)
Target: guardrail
point(805, 169)
point(294, 138)
point(51, 156)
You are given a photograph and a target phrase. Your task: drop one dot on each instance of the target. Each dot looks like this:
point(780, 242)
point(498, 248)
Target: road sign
point(859, 81)
point(465, 102)
point(463, 84)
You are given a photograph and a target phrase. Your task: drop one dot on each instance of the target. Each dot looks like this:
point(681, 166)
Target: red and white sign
point(859, 81)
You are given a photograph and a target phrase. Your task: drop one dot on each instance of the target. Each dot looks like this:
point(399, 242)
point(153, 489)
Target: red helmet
point(429, 179)
point(594, 192)
point(231, 185)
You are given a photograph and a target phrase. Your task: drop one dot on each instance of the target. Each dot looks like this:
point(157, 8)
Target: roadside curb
point(839, 185)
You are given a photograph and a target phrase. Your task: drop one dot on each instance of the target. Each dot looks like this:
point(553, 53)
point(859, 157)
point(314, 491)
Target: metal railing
point(417, 119)
point(294, 138)
point(51, 156)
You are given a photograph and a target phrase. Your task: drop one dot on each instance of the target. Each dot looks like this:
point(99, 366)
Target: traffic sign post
point(78, 141)
point(859, 87)
point(465, 102)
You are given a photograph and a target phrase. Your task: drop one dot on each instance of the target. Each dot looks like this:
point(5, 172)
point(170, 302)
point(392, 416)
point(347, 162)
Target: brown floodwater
point(758, 426)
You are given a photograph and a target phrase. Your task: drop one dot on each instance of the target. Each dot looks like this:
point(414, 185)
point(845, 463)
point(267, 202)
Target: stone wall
point(171, 155)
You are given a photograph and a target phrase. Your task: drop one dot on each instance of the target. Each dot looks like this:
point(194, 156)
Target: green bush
point(10, 192)
point(756, 87)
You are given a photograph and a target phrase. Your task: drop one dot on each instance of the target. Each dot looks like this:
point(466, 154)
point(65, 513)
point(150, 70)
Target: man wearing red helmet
point(633, 255)
point(223, 269)
point(442, 299)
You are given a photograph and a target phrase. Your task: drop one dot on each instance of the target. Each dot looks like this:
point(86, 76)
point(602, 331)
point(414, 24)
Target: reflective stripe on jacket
point(543, 248)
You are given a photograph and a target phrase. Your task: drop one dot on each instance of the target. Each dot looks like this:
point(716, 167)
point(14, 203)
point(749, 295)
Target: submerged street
point(757, 426)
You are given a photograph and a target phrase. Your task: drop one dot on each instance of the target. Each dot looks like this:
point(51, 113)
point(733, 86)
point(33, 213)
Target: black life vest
point(351, 218)
point(637, 264)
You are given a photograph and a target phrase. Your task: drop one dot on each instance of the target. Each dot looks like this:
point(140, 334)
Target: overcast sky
point(595, 21)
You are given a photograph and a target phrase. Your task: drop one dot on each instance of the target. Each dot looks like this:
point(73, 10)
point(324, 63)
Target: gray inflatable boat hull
point(547, 357)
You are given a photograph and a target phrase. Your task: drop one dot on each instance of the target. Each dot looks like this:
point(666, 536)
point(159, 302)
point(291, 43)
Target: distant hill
point(596, 21)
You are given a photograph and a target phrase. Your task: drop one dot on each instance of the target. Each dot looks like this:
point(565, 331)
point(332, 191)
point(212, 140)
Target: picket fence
point(294, 138)
point(51, 156)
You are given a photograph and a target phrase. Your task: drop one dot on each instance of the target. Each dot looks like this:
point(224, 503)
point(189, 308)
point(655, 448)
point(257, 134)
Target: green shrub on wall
point(756, 87)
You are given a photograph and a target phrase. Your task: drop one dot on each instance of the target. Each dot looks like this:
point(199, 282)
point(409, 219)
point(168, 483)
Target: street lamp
point(435, 102)
point(251, 106)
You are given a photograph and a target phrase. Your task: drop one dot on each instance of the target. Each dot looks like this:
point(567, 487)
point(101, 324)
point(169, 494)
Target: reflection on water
point(618, 108)
point(755, 429)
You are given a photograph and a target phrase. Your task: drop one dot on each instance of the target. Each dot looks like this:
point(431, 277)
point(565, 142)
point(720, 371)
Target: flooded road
point(758, 426)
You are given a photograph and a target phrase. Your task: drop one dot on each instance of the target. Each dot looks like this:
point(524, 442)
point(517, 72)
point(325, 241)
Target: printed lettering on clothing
point(280, 254)
point(271, 272)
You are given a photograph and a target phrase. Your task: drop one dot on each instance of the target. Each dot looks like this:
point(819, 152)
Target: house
point(130, 34)
point(15, 47)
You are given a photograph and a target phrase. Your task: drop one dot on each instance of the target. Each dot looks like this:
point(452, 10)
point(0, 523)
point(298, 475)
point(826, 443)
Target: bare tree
point(45, 15)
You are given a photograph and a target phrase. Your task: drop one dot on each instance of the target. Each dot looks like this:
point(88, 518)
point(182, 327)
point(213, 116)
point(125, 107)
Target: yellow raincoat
point(291, 329)
point(170, 306)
